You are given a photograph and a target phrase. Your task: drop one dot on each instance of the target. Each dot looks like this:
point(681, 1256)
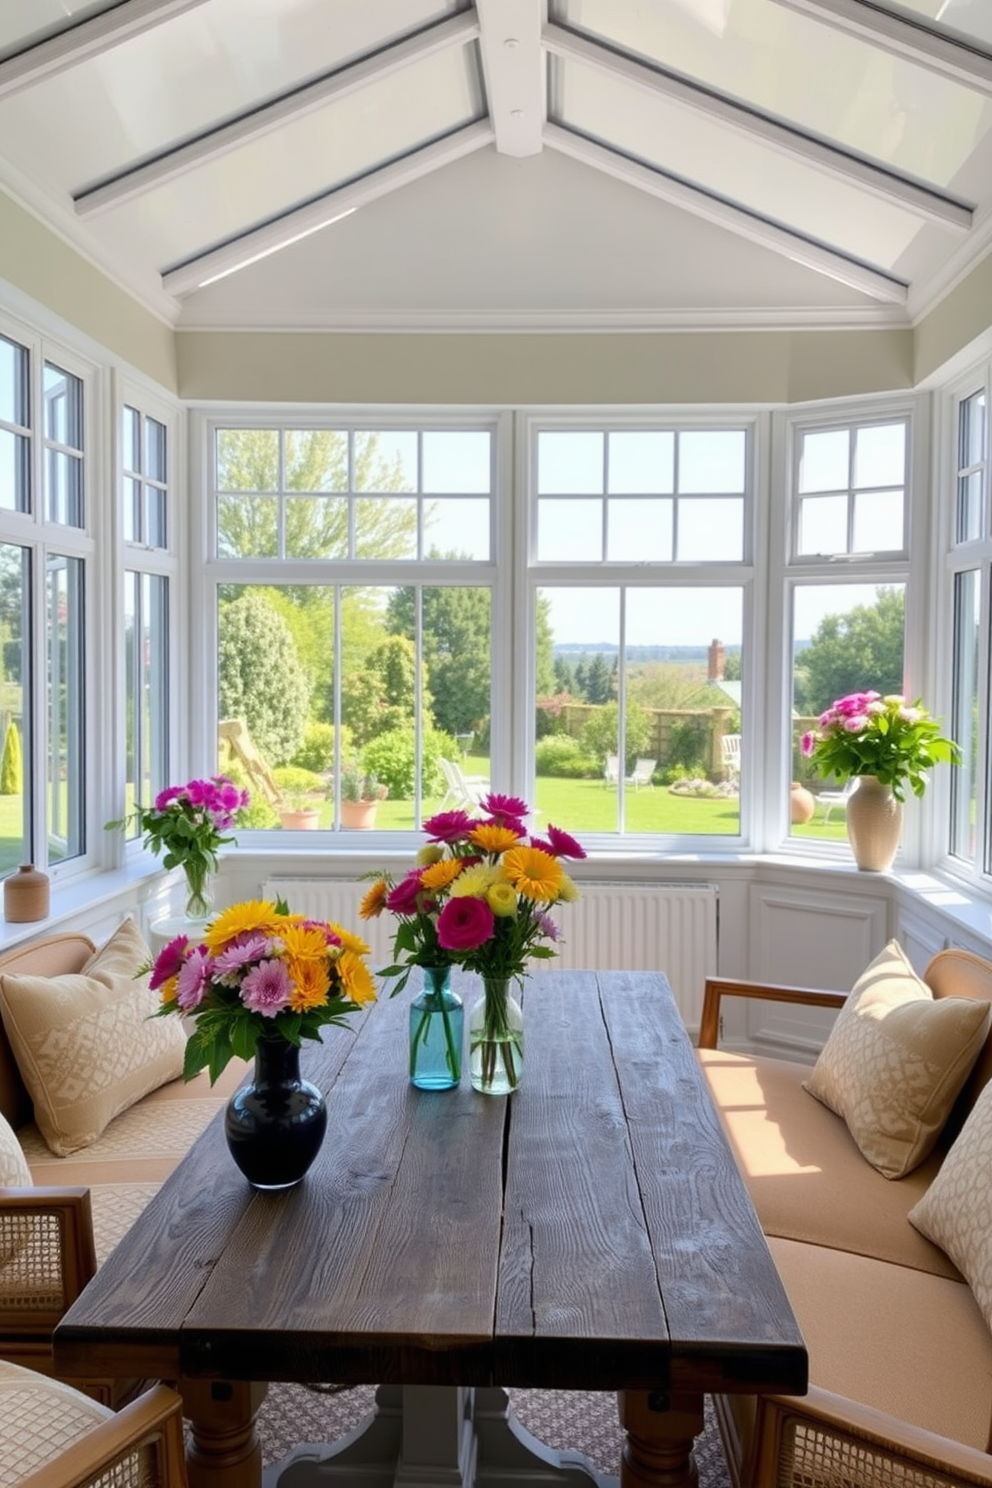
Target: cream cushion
point(895, 1060)
point(956, 1210)
point(14, 1170)
point(86, 1044)
point(40, 1418)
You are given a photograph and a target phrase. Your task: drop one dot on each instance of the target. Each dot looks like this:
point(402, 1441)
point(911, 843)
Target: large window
point(354, 618)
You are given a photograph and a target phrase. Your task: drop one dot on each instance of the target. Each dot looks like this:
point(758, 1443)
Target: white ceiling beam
point(270, 237)
point(513, 67)
point(886, 185)
point(215, 143)
point(87, 38)
point(912, 40)
point(725, 214)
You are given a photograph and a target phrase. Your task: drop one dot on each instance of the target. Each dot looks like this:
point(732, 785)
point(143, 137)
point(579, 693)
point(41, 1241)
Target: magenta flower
point(808, 742)
point(168, 961)
point(464, 924)
point(404, 899)
point(266, 989)
point(193, 981)
point(504, 806)
point(170, 793)
point(448, 826)
point(563, 844)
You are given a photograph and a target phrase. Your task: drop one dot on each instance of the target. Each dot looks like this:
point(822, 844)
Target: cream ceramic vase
point(874, 824)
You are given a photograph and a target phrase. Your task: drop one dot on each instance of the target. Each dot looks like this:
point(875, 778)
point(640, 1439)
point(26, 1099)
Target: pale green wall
point(959, 319)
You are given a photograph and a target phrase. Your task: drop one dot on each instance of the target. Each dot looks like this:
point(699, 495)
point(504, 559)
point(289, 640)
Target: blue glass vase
point(437, 1021)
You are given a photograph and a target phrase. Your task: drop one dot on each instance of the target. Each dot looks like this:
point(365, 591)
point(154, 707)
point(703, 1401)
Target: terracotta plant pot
point(802, 803)
point(307, 820)
point(358, 816)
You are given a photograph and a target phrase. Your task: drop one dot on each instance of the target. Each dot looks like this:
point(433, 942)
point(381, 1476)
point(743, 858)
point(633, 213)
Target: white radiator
point(622, 927)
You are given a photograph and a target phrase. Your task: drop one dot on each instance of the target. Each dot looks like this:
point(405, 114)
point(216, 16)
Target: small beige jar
point(26, 895)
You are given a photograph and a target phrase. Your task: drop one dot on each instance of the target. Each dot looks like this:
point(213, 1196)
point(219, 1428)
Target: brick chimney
point(715, 662)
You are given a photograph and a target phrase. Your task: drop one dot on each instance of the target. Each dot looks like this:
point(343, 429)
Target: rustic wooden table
point(590, 1232)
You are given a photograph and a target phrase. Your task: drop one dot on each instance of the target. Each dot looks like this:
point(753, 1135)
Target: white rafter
point(214, 143)
point(828, 261)
point(886, 185)
point(963, 62)
point(87, 38)
point(271, 237)
point(513, 66)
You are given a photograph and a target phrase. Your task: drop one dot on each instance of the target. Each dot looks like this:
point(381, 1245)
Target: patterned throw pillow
point(86, 1044)
point(14, 1170)
point(895, 1060)
point(956, 1210)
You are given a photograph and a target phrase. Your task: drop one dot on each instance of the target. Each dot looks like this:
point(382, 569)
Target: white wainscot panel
point(806, 938)
point(920, 939)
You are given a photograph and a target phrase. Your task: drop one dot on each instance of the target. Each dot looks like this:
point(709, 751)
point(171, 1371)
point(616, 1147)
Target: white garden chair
point(641, 774)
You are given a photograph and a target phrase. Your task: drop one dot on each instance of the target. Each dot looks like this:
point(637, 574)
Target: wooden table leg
point(223, 1450)
point(661, 1430)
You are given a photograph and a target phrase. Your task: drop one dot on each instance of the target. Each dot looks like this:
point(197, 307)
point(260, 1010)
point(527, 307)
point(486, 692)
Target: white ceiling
point(513, 164)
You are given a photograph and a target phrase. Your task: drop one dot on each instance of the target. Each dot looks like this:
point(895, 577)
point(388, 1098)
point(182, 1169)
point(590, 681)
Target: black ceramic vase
point(275, 1125)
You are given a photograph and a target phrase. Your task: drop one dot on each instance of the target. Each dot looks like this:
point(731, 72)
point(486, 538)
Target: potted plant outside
point(361, 792)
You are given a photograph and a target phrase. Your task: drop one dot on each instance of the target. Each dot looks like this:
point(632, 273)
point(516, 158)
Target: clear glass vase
point(437, 1025)
point(496, 1039)
point(199, 891)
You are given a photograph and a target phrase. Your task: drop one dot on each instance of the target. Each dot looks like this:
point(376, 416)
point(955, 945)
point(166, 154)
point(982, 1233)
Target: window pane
point(845, 638)
point(570, 531)
point(155, 465)
point(964, 715)
point(972, 457)
point(63, 465)
point(248, 527)
point(65, 707)
point(974, 430)
point(132, 508)
point(131, 440)
point(247, 460)
point(15, 698)
point(382, 523)
point(878, 522)
point(824, 461)
point(14, 401)
point(641, 463)
point(316, 460)
point(822, 525)
point(457, 461)
point(457, 529)
point(680, 691)
point(639, 531)
point(63, 407)
point(316, 527)
point(569, 463)
point(146, 687)
point(710, 531)
point(64, 479)
point(385, 461)
point(155, 513)
point(970, 521)
point(712, 461)
point(880, 455)
point(14, 472)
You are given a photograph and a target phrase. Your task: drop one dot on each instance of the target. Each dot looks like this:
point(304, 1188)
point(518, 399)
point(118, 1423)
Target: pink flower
point(448, 826)
point(504, 806)
point(404, 899)
point(170, 793)
point(563, 844)
point(266, 989)
point(808, 742)
point(168, 961)
point(464, 924)
point(237, 954)
point(193, 979)
point(855, 722)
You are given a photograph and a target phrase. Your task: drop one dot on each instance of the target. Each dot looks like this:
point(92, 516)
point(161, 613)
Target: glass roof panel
point(971, 19)
point(726, 163)
point(804, 72)
point(22, 21)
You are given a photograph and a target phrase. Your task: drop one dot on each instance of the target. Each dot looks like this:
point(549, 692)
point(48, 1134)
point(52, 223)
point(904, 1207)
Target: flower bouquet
point(188, 823)
point(478, 898)
point(865, 733)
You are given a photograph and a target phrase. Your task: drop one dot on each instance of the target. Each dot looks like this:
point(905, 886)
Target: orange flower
point(357, 981)
point(493, 839)
point(374, 901)
point(311, 984)
point(534, 873)
point(440, 875)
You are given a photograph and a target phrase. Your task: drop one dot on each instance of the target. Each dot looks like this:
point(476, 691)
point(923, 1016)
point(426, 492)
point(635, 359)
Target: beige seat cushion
point(805, 1175)
point(895, 1061)
point(39, 1419)
point(86, 1044)
point(913, 1346)
point(956, 1210)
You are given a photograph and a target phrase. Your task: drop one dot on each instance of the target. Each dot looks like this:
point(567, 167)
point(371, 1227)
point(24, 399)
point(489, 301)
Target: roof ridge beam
point(726, 214)
point(889, 186)
point(90, 37)
point(457, 31)
point(963, 62)
point(278, 233)
point(514, 69)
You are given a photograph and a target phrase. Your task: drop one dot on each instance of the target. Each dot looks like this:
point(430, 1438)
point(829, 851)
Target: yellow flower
point(534, 873)
point(374, 901)
point(493, 839)
point(357, 981)
point(304, 942)
point(311, 983)
point(168, 991)
point(502, 899)
point(349, 942)
point(252, 914)
point(475, 882)
point(439, 875)
point(432, 853)
point(567, 890)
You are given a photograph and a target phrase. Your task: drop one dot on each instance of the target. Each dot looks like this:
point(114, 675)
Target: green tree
point(601, 733)
point(598, 680)
point(260, 678)
point(564, 676)
point(544, 641)
point(457, 650)
point(732, 666)
point(856, 651)
point(378, 697)
point(12, 764)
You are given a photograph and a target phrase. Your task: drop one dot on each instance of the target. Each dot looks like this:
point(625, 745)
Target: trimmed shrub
point(390, 758)
point(561, 755)
point(12, 764)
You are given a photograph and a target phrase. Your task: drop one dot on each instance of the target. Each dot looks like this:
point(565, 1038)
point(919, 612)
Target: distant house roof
point(732, 689)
